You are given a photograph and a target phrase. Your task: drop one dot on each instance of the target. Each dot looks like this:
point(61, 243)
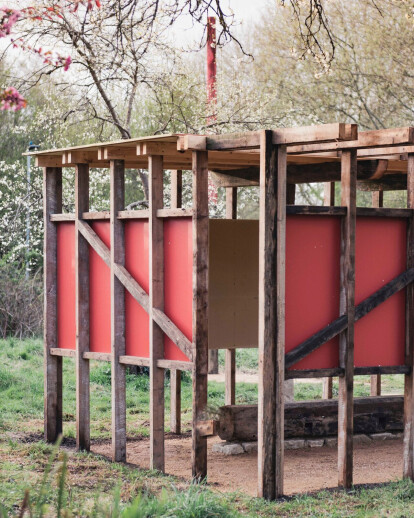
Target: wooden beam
point(156, 302)
point(200, 309)
point(52, 203)
point(117, 257)
point(286, 136)
point(328, 201)
point(230, 354)
point(83, 441)
point(340, 324)
point(408, 455)
point(102, 357)
point(347, 308)
point(377, 201)
point(193, 142)
point(366, 139)
point(175, 374)
point(65, 353)
point(272, 235)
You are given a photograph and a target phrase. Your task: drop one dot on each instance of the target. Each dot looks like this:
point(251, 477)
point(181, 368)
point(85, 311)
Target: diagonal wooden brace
point(337, 326)
point(136, 290)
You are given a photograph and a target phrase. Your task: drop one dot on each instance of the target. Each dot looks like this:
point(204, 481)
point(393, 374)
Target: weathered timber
point(390, 182)
point(408, 454)
point(156, 294)
point(230, 354)
point(82, 310)
point(102, 357)
point(340, 324)
point(175, 374)
point(272, 239)
point(297, 173)
point(313, 373)
point(347, 308)
point(66, 353)
point(117, 257)
point(200, 309)
point(312, 419)
point(52, 204)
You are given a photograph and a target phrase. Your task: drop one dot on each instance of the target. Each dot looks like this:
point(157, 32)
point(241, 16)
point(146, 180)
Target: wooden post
point(175, 374)
point(408, 461)
point(328, 200)
point(200, 309)
point(156, 294)
point(377, 201)
point(82, 310)
point(52, 203)
point(230, 354)
point(272, 237)
point(347, 307)
point(118, 388)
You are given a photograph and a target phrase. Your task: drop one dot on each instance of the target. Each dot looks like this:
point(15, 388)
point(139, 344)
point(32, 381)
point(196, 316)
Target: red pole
point(211, 89)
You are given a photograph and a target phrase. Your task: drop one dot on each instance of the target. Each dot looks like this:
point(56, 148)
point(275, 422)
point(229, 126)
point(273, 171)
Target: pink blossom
point(8, 17)
point(68, 61)
point(10, 99)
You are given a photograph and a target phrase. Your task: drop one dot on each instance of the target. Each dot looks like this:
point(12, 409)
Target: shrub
point(21, 311)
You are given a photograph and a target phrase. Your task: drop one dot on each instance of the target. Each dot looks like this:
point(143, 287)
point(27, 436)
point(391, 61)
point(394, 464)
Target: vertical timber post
point(175, 374)
point(272, 238)
point(118, 388)
point(408, 460)
point(347, 307)
point(156, 296)
point(377, 201)
point(200, 309)
point(82, 310)
point(230, 354)
point(328, 200)
point(52, 204)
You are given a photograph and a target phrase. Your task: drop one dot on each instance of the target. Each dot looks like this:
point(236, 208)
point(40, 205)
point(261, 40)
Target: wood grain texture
point(117, 257)
point(200, 309)
point(375, 382)
point(83, 441)
point(156, 302)
point(328, 201)
point(175, 374)
point(272, 238)
point(230, 354)
point(52, 204)
point(408, 455)
point(347, 307)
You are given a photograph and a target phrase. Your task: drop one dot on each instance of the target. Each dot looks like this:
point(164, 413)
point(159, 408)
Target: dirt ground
point(306, 470)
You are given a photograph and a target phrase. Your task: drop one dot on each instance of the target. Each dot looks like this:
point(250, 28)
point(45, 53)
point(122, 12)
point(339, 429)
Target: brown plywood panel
point(233, 283)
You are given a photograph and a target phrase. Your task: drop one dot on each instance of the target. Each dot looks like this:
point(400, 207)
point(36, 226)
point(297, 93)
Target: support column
point(175, 374)
point(408, 459)
point(52, 204)
point(377, 201)
point(82, 310)
point(156, 296)
point(272, 240)
point(347, 307)
point(200, 309)
point(118, 384)
point(328, 200)
point(230, 354)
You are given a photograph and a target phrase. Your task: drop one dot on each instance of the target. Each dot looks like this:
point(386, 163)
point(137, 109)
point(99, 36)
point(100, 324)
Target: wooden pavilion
point(89, 249)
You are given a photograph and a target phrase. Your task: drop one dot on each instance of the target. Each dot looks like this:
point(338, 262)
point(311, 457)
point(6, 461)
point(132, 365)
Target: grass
point(61, 482)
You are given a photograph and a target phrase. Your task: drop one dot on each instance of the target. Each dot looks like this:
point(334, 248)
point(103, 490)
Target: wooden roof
point(236, 157)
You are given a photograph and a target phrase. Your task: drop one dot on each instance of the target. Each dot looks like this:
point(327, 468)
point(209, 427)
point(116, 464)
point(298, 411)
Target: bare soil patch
point(306, 469)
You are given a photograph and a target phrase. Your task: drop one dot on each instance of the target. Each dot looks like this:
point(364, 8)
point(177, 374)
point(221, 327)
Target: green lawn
point(87, 485)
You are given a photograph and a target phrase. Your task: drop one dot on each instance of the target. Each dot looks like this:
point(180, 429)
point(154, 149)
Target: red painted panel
point(312, 284)
point(66, 285)
point(380, 256)
point(137, 263)
point(100, 294)
point(178, 284)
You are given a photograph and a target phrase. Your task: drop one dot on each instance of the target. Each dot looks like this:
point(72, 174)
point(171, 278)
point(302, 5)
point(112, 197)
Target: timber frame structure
point(274, 160)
